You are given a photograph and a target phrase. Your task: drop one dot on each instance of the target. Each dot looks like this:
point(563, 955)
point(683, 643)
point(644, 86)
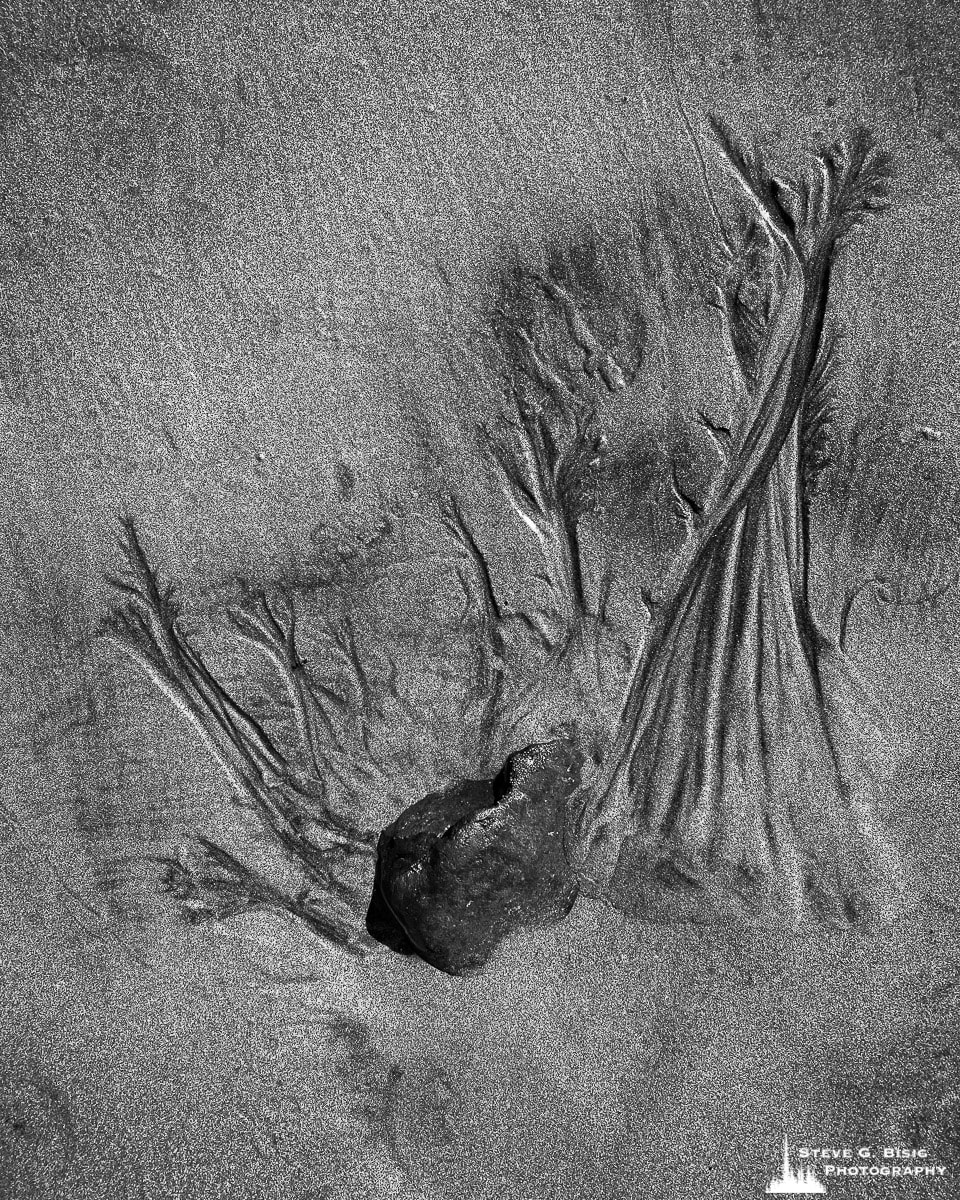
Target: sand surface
point(251, 259)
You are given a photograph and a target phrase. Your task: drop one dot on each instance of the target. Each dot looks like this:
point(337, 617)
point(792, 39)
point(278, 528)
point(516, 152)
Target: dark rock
point(462, 868)
point(381, 924)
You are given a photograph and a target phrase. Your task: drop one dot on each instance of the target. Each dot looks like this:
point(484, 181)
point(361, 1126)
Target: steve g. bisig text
point(894, 1162)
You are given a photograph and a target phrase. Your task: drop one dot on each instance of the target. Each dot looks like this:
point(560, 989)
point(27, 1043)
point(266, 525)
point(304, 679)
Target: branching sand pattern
point(725, 768)
point(722, 778)
point(289, 793)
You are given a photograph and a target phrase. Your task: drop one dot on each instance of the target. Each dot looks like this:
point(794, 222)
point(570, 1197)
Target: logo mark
point(794, 1183)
